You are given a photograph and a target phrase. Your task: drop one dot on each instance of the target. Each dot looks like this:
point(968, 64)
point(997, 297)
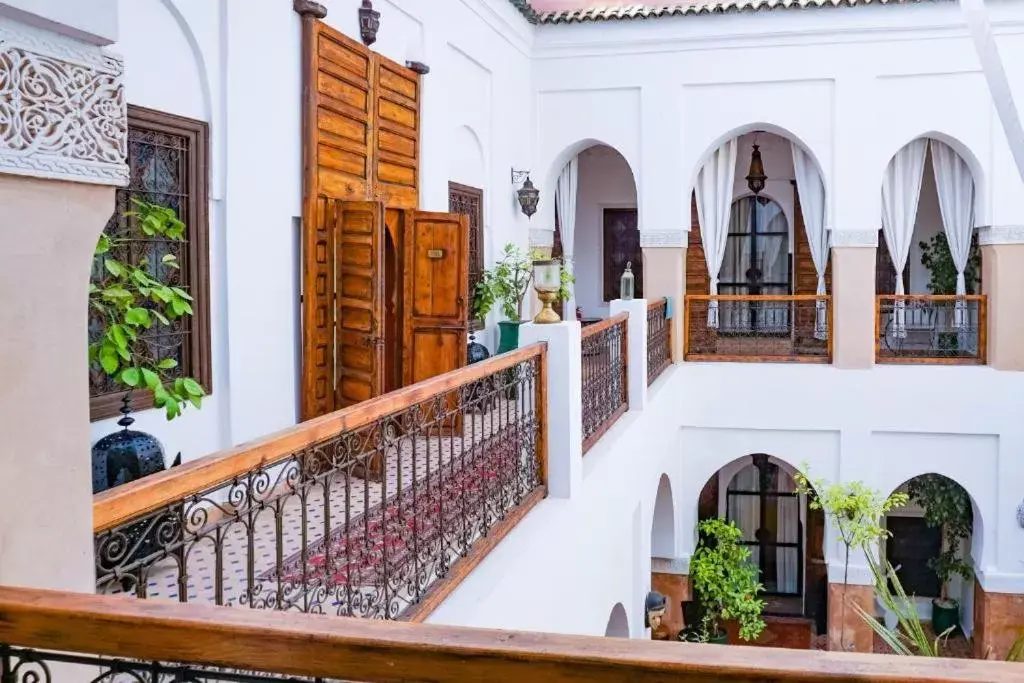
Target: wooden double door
point(388, 305)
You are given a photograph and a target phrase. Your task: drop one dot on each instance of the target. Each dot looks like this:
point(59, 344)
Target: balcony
point(766, 328)
point(931, 329)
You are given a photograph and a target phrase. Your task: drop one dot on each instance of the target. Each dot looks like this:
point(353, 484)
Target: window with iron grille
point(470, 202)
point(167, 158)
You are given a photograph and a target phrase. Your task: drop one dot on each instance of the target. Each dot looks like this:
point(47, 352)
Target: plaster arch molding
point(774, 129)
point(664, 524)
point(554, 169)
point(467, 163)
point(618, 623)
point(981, 184)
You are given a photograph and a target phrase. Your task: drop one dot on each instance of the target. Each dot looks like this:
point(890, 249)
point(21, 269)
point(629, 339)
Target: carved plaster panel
point(62, 108)
point(671, 565)
point(663, 239)
point(1001, 234)
point(854, 238)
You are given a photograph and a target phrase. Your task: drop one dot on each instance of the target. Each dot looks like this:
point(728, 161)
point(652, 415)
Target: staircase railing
point(47, 636)
point(378, 510)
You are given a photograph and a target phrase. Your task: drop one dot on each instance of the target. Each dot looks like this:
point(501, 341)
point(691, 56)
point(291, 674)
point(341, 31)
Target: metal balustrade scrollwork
point(931, 329)
point(659, 339)
point(365, 512)
point(604, 385)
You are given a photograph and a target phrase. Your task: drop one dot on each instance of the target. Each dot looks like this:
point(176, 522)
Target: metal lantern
point(1020, 515)
point(755, 176)
point(126, 455)
point(369, 22)
point(528, 195)
point(547, 280)
point(626, 285)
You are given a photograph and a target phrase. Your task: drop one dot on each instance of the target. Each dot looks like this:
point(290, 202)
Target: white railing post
point(636, 345)
point(565, 407)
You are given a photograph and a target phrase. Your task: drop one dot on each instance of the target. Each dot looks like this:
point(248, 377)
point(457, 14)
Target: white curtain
point(714, 200)
point(565, 203)
point(746, 510)
point(901, 188)
point(787, 565)
point(955, 186)
point(812, 206)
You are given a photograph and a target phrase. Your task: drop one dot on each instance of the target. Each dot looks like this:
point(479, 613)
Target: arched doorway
point(618, 623)
point(597, 228)
point(928, 254)
point(785, 537)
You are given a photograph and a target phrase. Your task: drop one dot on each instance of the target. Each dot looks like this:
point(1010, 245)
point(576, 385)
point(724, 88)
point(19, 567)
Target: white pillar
point(565, 406)
point(636, 344)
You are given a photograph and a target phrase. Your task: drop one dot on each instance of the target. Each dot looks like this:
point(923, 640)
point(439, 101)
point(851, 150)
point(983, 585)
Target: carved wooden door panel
point(436, 297)
point(318, 397)
point(622, 246)
point(359, 259)
point(396, 134)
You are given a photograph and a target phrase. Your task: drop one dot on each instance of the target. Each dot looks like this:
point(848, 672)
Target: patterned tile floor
point(296, 515)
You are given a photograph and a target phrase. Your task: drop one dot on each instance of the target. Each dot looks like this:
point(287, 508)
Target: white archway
point(663, 523)
point(618, 623)
point(467, 163)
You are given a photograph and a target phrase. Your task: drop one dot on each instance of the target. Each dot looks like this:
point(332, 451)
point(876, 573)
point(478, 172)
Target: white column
point(636, 343)
point(564, 426)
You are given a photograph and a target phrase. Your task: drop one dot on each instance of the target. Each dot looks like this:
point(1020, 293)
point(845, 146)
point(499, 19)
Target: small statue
point(654, 612)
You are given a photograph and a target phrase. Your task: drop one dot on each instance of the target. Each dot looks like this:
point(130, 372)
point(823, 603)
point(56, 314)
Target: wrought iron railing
point(930, 329)
point(51, 637)
point(374, 511)
point(605, 392)
point(659, 339)
point(768, 328)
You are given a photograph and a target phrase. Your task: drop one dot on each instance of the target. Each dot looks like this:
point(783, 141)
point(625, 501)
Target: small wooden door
point(359, 259)
point(436, 297)
point(622, 246)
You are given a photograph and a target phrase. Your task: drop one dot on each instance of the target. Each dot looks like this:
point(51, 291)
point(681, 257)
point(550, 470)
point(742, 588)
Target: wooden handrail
point(125, 503)
point(371, 650)
point(603, 325)
point(758, 297)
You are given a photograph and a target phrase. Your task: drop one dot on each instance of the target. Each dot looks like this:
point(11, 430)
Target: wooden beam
point(384, 651)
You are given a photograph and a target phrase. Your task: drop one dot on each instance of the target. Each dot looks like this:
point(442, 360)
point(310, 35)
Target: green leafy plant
point(855, 512)
point(1017, 651)
point(910, 637)
point(725, 581)
point(507, 283)
point(935, 256)
point(132, 299)
point(947, 506)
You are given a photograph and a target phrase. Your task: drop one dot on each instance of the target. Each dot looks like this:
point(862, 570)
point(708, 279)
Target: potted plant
point(480, 305)
point(725, 582)
point(936, 257)
point(947, 507)
point(507, 284)
point(131, 300)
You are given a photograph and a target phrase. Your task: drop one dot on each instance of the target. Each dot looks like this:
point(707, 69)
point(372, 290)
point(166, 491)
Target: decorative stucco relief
point(539, 237)
point(663, 238)
point(1001, 234)
point(854, 238)
point(62, 108)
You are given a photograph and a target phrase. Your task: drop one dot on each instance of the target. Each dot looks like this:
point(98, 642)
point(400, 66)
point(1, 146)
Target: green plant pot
point(720, 639)
point(945, 617)
point(509, 339)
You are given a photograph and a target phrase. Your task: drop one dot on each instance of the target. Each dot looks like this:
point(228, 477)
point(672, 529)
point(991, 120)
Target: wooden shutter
point(396, 136)
point(621, 246)
point(344, 110)
point(697, 279)
point(359, 258)
point(436, 294)
point(318, 311)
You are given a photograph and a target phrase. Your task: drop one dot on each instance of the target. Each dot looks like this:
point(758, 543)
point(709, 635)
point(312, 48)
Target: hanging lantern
point(369, 22)
point(756, 176)
point(528, 197)
point(627, 282)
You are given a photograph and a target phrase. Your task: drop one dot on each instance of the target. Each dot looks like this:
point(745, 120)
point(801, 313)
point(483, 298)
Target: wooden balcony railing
point(48, 637)
point(931, 329)
point(659, 339)
point(605, 392)
point(377, 510)
point(768, 328)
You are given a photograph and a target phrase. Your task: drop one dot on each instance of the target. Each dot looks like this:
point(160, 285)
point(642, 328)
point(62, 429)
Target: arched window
point(756, 262)
point(762, 501)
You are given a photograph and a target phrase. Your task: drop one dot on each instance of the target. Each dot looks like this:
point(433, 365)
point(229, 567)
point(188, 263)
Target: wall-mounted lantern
point(528, 195)
point(369, 22)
